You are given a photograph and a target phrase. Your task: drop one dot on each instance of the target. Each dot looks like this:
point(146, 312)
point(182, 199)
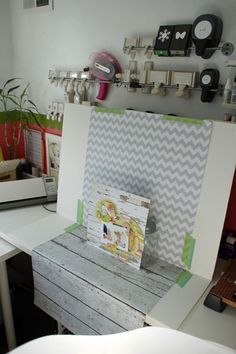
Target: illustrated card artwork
point(117, 222)
point(53, 147)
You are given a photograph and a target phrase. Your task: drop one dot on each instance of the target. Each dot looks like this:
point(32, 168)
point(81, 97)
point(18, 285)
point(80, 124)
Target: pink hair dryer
point(104, 67)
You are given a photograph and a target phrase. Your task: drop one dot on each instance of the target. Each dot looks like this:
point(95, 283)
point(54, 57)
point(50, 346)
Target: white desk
point(7, 251)
point(207, 324)
point(29, 227)
point(24, 229)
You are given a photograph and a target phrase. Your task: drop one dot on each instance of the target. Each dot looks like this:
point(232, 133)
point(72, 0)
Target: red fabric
point(20, 149)
point(230, 220)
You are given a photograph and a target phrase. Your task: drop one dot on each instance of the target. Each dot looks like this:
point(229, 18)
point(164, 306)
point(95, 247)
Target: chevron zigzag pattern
point(159, 159)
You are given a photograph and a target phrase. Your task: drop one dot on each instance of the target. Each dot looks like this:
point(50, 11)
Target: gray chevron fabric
point(156, 158)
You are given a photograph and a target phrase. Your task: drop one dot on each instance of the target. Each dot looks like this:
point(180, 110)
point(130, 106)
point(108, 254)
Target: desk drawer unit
point(90, 292)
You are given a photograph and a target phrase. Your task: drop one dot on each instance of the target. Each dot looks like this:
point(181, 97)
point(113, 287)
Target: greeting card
point(117, 222)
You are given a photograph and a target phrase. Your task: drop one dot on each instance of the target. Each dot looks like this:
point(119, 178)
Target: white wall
point(65, 38)
point(6, 61)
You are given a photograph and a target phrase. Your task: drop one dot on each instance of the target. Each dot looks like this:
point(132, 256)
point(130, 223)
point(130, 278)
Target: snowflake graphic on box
point(164, 35)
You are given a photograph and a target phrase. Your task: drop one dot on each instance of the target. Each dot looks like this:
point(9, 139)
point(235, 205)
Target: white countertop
point(7, 250)
point(13, 219)
point(26, 228)
point(174, 307)
point(211, 325)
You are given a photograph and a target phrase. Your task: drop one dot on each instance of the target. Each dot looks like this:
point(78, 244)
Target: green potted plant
point(20, 111)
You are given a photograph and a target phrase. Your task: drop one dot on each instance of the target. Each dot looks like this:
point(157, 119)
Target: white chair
point(150, 340)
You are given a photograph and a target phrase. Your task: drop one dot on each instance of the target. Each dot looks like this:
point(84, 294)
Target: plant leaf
point(34, 116)
point(12, 100)
point(33, 109)
point(5, 95)
point(33, 104)
point(13, 89)
point(10, 80)
point(24, 91)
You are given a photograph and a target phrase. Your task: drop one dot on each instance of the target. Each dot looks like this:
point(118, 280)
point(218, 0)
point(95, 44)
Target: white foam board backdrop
point(72, 159)
point(215, 189)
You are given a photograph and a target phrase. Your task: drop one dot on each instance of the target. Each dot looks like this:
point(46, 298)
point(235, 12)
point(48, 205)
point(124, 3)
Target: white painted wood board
point(214, 197)
point(123, 290)
point(155, 280)
point(72, 159)
point(100, 301)
point(110, 287)
point(69, 321)
point(85, 276)
point(86, 314)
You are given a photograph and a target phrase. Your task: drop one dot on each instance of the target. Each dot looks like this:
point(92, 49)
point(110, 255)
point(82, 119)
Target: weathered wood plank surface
point(78, 309)
point(100, 301)
point(150, 281)
point(83, 284)
point(69, 321)
point(151, 267)
point(102, 278)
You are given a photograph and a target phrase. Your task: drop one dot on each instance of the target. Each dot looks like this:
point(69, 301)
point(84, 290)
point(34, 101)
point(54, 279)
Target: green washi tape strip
point(182, 120)
point(80, 212)
point(71, 227)
point(79, 217)
point(110, 110)
point(183, 278)
point(188, 249)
